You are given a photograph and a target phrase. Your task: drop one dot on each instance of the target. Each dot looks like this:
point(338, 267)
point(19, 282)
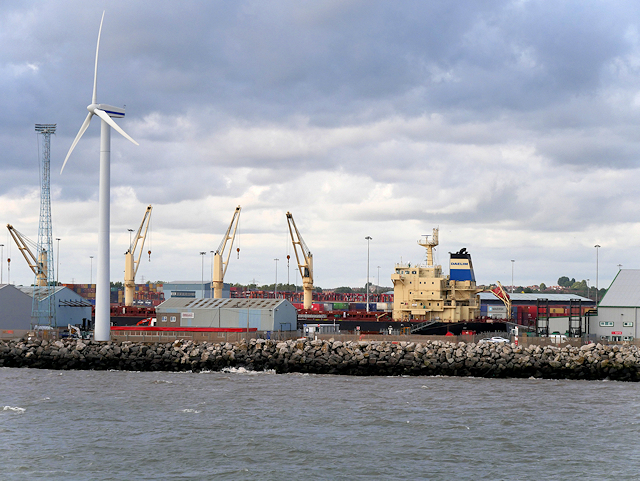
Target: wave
point(242, 370)
point(14, 409)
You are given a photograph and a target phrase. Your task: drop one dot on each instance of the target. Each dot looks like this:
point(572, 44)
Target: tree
point(564, 281)
point(344, 290)
point(543, 286)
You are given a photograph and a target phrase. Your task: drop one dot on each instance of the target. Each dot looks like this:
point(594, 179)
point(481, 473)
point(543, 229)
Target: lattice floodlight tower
point(105, 112)
point(43, 310)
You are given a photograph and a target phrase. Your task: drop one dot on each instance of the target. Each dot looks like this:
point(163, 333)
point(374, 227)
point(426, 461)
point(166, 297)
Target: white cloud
point(511, 125)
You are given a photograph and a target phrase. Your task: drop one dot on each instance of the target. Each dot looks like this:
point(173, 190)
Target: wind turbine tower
point(43, 310)
point(102, 330)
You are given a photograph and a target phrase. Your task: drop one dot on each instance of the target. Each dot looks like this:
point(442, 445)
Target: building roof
point(624, 290)
point(534, 296)
point(76, 299)
point(28, 290)
point(195, 303)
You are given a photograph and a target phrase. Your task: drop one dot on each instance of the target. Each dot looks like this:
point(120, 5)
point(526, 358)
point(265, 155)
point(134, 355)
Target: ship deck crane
point(38, 265)
point(502, 294)
point(220, 266)
point(130, 263)
point(306, 266)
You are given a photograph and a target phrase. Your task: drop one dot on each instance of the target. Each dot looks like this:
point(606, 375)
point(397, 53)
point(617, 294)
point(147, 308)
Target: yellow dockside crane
point(131, 265)
point(220, 267)
point(39, 265)
point(306, 267)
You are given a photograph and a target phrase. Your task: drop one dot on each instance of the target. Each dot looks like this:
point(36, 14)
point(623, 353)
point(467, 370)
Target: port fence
point(233, 337)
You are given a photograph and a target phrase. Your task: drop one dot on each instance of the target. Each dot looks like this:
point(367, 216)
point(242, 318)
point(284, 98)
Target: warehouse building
point(15, 311)
point(524, 307)
point(617, 318)
point(71, 308)
point(16, 303)
point(260, 314)
point(192, 290)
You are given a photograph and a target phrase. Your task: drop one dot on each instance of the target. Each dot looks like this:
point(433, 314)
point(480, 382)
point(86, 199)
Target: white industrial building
point(260, 314)
point(617, 318)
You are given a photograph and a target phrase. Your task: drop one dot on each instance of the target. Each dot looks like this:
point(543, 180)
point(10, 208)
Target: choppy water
point(238, 425)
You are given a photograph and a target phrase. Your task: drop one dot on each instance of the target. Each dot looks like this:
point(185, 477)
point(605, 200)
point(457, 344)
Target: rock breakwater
point(592, 361)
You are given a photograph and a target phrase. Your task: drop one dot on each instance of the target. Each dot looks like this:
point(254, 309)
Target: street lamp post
point(588, 297)
point(597, 246)
point(368, 238)
point(211, 291)
point(275, 286)
point(91, 276)
point(1, 256)
point(202, 254)
point(378, 288)
point(57, 262)
point(512, 263)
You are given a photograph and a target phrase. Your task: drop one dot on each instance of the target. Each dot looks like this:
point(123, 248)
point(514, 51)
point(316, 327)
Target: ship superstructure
point(423, 293)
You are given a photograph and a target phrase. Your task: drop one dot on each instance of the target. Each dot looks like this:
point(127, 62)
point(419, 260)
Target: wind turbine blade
point(84, 127)
point(104, 116)
point(95, 73)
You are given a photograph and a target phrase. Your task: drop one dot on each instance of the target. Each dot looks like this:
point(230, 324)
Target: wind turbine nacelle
point(110, 110)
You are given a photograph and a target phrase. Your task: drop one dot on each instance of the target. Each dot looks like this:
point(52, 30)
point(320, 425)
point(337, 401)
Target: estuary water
point(236, 425)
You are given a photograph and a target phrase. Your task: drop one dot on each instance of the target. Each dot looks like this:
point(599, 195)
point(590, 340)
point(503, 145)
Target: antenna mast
point(430, 244)
point(43, 311)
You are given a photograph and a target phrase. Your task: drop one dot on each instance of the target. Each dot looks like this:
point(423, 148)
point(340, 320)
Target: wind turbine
point(102, 330)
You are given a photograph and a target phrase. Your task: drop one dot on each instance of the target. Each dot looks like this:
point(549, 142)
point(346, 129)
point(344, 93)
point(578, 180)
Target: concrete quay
point(366, 358)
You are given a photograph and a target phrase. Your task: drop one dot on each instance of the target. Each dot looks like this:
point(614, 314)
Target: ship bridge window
point(413, 272)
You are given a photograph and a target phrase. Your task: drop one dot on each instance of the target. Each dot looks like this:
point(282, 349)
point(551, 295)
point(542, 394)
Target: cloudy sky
point(511, 125)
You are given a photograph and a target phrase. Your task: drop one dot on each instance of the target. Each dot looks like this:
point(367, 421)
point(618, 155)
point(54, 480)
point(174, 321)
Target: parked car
point(495, 339)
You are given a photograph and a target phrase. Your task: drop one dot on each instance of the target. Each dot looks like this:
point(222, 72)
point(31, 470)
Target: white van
point(558, 338)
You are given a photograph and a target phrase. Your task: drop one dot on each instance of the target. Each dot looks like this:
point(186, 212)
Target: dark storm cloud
point(338, 63)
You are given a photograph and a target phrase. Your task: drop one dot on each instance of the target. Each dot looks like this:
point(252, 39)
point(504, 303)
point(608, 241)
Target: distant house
point(617, 318)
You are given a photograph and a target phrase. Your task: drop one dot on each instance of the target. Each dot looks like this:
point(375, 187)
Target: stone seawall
point(592, 361)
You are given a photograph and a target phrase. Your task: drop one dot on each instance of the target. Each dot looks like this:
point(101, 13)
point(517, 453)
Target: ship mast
point(430, 244)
